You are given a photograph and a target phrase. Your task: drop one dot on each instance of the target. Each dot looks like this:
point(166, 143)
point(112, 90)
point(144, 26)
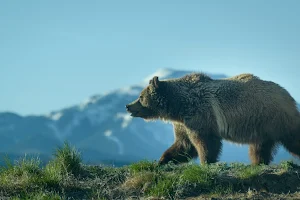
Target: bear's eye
point(141, 97)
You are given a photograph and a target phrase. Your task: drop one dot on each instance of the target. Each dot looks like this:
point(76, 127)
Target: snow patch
point(56, 116)
point(61, 134)
point(161, 73)
point(126, 119)
point(75, 122)
point(95, 113)
point(89, 101)
point(55, 131)
point(98, 113)
point(108, 134)
point(134, 91)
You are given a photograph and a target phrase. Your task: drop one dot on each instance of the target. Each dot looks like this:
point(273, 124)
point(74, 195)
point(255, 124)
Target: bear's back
point(245, 99)
point(242, 77)
point(258, 92)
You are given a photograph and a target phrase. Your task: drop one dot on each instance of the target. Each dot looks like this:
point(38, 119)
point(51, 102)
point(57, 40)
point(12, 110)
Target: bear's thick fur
point(242, 109)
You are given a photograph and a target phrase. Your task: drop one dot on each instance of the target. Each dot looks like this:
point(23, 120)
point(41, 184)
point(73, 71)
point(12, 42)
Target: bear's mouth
point(138, 114)
point(134, 114)
point(142, 114)
point(131, 112)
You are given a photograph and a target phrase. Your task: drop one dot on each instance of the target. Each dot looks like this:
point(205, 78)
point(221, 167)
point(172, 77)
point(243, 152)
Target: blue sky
point(55, 54)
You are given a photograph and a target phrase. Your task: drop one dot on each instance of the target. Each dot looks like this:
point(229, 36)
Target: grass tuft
point(143, 165)
point(39, 196)
point(67, 160)
point(287, 165)
point(243, 171)
point(140, 181)
point(165, 186)
point(201, 175)
point(23, 172)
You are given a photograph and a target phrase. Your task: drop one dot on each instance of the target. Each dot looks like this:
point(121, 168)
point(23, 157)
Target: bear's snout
point(129, 108)
point(134, 108)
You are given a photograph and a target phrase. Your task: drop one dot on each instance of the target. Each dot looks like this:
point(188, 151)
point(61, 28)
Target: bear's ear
point(155, 82)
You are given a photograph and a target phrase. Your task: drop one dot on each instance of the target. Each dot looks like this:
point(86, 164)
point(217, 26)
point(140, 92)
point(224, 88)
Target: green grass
point(22, 173)
point(23, 177)
point(143, 165)
point(165, 186)
point(67, 160)
point(202, 175)
point(243, 171)
point(286, 165)
point(39, 196)
point(65, 177)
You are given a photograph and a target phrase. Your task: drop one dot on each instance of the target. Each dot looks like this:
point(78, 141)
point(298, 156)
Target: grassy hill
point(65, 177)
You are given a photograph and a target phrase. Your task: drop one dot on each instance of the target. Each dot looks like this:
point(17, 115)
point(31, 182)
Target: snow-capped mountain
point(101, 129)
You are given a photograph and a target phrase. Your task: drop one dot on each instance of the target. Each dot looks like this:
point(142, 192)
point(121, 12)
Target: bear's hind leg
point(261, 153)
point(208, 147)
point(292, 145)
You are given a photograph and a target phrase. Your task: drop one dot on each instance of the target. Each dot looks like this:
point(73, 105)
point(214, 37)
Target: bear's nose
point(126, 107)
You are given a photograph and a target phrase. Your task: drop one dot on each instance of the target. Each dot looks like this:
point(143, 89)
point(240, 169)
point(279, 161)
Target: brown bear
point(242, 109)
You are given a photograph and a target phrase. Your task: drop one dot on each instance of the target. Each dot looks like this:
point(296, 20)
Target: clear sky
point(57, 53)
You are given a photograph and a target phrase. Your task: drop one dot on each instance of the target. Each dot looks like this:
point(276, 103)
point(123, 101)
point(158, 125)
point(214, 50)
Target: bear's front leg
point(182, 150)
point(207, 146)
point(179, 152)
point(205, 140)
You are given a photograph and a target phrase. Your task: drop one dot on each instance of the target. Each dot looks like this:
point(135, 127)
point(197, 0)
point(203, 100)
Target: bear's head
point(151, 103)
